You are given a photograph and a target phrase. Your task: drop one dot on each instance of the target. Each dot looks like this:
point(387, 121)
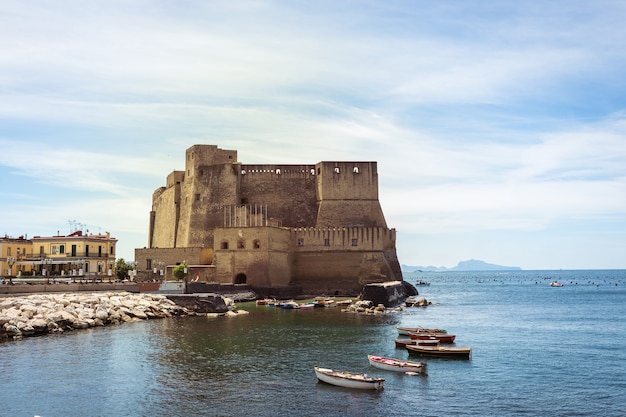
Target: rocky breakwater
point(38, 314)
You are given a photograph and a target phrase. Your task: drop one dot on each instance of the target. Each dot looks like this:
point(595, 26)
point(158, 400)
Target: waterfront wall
point(62, 287)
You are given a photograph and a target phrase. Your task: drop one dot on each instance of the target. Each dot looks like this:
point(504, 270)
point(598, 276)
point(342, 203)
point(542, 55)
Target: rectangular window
point(86, 250)
point(111, 250)
point(62, 249)
point(73, 250)
point(326, 242)
point(354, 242)
point(55, 249)
point(300, 242)
point(41, 251)
point(197, 197)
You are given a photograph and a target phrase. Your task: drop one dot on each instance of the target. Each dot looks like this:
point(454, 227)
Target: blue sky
point(499, 127)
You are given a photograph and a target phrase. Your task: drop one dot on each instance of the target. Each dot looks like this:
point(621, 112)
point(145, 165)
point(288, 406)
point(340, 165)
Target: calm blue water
point(537, 351)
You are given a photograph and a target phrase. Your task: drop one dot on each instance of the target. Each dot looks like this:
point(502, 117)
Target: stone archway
point(240, 278)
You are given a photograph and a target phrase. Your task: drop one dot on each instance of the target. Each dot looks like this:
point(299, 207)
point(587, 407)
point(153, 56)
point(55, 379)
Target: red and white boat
point(397, 365)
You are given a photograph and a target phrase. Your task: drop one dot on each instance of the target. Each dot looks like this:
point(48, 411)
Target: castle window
point(355, 170)
point(277, 171)
point(256, 244)
point(354, 242)
point(241, 244)
point(201, 172)
point(198, 197)
point(312, 171)
point(224, 244)
point(300, 242)
point(336, 170)
point(243, 172)
point(326, 242)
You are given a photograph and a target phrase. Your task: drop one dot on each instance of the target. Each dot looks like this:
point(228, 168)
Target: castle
point(319, 228)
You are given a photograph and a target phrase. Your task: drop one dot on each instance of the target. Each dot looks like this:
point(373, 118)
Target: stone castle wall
point(274, 224)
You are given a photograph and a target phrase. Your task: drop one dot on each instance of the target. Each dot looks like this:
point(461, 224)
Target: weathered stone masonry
point(320, 227)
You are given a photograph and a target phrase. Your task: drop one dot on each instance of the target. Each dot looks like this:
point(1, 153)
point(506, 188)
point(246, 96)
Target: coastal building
point(13, 253)
point(84, 255)
point(319, 227)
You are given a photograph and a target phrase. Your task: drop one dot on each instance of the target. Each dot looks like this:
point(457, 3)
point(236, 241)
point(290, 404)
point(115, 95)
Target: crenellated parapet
point(343, 238)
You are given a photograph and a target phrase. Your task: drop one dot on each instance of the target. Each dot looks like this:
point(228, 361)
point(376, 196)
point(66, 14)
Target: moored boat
point(397, 365)
point(441, 337)
point(556, 284)
point(348, 379)
point(401, 343)
point(405, 330)
point(289, 305)
point(440, 351)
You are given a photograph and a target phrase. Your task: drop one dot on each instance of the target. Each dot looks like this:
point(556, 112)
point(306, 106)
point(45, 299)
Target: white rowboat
point(348, 379)
point(392, 364)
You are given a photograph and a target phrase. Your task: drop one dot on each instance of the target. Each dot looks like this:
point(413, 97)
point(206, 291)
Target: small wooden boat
point(324, 302)
point(264, 302)
point(441, 337)
point(307, 306)
point(289, 305)
point(401, 343)
point(405, 330)
point(426, 342)
point(348, 379)
point(392, 364)
point(440, 351)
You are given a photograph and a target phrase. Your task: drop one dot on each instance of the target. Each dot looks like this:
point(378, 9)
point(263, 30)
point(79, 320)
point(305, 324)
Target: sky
point(499, 127)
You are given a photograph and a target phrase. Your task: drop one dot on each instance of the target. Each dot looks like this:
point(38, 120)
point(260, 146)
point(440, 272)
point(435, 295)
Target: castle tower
point(347, 195)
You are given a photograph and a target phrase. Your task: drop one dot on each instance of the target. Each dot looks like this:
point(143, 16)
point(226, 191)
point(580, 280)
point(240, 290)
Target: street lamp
point(110, 264)
point(155, 263)
point(11, 262)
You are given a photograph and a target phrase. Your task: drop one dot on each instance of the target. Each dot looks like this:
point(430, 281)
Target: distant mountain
point(471, 265)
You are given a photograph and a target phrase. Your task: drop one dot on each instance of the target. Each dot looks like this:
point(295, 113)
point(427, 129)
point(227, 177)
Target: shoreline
point(46, 313)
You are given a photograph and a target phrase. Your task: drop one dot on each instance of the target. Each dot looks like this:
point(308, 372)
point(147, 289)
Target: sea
point(537, 350)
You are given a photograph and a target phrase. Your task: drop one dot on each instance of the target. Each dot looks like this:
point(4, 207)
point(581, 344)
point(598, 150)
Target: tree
point(121, 269)
point(180, 271)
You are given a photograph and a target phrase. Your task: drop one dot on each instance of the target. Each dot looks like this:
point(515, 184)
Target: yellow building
point(13, 255)
point(77, 255)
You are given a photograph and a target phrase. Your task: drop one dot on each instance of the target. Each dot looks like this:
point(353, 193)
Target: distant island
point(471, 265)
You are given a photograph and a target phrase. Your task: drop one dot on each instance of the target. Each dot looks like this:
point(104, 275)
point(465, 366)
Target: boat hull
point(401, 343)
point(439, 351)
point(405, 330)
point(396, 365)
point(348, 379)
point(441, 337)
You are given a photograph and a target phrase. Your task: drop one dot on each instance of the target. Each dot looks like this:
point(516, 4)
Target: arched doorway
point(240, 278)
